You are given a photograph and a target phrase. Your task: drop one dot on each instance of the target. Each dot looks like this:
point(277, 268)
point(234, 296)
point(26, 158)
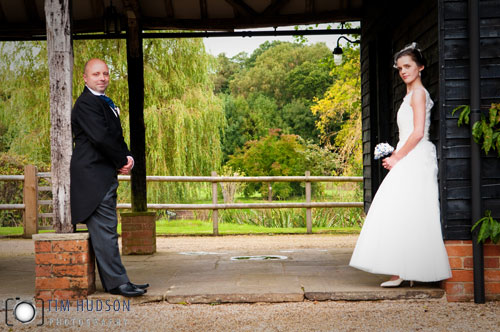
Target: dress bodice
point(405, 117)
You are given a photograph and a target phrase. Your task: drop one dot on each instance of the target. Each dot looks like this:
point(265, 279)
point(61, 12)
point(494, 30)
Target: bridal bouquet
point(382, 150)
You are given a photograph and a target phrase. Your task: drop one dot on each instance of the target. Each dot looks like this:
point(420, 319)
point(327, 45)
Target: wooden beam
point(2, 15)
point(135, 65)
point(31, 11)
point(169, 8)
point(274, 7)
point(97, 7)
point(60, 59)
point(310, 7)
point(242, 7)
point(247, 22)
point(132, 5)
point(203, 9)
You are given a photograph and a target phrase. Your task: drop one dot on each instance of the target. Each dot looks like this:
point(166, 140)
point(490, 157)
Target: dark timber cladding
point(441, 29)
point(454, 84)
point(386, 29)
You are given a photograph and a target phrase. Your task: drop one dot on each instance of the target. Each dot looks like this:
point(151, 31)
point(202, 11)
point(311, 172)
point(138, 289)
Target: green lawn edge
point(199, 227)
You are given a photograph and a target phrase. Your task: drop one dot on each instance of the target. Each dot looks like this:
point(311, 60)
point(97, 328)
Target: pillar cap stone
point(61, 236)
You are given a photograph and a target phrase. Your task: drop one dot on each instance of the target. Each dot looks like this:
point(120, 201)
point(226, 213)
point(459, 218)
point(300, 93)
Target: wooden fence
point(31, 191)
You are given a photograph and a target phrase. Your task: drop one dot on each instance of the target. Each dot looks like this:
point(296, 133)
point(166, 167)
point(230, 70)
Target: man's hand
point(128, 167)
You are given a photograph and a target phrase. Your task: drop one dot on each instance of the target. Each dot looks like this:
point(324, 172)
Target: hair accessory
point(413, 46)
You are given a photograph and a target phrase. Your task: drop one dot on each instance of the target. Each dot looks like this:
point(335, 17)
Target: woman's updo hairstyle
point(414, 52)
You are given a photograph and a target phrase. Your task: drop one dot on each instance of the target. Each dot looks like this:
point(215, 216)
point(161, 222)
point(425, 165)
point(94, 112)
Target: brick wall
point(138, 233)
point(65, 266)
point(460, 287)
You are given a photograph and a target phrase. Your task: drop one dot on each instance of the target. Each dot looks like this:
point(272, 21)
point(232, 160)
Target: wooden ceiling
point(25, 19)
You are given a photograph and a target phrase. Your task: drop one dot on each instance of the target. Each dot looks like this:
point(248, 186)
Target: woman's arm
point(418, 105)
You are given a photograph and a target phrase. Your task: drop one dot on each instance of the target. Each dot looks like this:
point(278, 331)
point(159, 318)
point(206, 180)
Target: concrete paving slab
point(178, 276)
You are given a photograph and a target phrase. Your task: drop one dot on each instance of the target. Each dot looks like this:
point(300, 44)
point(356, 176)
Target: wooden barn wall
point(454, 84)
point(388, 27)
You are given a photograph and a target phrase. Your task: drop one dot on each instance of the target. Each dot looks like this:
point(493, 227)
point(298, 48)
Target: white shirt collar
point(95, 92)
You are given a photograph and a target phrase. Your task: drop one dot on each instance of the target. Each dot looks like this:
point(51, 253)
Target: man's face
point(96, 75)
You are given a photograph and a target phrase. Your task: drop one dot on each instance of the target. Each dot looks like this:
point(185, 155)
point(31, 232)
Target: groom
point(99, 154)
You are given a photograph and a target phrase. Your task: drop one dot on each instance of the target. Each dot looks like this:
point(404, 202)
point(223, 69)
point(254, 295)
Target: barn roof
point(25, 19)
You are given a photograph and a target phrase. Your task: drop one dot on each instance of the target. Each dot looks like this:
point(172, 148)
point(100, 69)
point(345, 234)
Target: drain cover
point(258, 258)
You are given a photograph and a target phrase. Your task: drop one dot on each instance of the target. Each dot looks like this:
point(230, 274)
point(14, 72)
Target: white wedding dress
point(401, 234)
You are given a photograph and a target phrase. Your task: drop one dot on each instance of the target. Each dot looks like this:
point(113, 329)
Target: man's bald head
point(96, 75)
point(92, 62)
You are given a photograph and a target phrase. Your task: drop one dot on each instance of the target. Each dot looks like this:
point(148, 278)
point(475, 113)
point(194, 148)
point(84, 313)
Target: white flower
point(382, 150)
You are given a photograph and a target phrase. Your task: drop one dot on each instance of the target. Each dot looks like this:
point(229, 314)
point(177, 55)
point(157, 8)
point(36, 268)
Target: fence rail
point(248, 178)
point(32, 203)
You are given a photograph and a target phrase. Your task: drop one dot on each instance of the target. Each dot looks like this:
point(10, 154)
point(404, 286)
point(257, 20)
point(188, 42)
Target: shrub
point(278, 154)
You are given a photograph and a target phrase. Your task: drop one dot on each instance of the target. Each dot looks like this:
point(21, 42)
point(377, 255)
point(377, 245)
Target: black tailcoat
point(99, 151)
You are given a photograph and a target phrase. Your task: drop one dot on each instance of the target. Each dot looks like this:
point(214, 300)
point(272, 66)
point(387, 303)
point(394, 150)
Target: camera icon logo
point(23, 311)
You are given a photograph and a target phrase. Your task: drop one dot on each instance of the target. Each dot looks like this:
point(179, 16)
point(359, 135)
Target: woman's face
point(408, 69)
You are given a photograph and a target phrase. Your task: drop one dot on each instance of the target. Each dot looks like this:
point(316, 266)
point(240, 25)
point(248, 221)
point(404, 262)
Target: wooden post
point(30, 193)
point(215, 212)
point(60, 59)
point(270, 191)
point(135, 62)
point(308, 200)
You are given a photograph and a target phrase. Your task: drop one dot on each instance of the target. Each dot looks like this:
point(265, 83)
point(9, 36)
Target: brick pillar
point(460, 287)
point(138, 233)
point(492, 270)
point(65, 266)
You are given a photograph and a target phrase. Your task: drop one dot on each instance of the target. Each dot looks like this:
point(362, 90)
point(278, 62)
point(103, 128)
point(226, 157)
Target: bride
point(401, 235)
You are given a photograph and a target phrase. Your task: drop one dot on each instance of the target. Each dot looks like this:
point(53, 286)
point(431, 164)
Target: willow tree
point(183, 118)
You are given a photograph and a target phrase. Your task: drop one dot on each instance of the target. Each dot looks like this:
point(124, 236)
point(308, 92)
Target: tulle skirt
point(401, 234)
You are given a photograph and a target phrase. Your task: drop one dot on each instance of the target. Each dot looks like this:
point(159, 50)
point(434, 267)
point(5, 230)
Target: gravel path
point(390, 316)
point(255, 242)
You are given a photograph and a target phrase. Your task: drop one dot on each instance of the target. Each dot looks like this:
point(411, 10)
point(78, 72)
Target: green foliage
point(250, 61)
point(279, 66)
point(281, 155)
point(273, 88)
point(485, 132)
point(247, 119)
point(299, 120)
point(490, 228)
point(464, 114)
point(24, 101)
point(184, 119)
point(295, 218)
point(11, 192)
point(339, 113)
point(226, 69)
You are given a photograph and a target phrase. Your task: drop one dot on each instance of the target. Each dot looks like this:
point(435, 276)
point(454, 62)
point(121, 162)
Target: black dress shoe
point(127, 290)
point(140, 286)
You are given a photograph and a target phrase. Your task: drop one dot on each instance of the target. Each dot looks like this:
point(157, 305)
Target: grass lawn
point(199, 227)
point(15, 231)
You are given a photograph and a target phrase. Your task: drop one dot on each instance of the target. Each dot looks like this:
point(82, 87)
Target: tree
point(341, 104)
point(247, 119)
point(184, 119)
point(279, 154)
point(275, 88)
point(272, 68)
point(299, 120)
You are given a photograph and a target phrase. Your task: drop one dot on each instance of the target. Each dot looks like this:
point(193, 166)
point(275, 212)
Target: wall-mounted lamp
point(111, 20)
point(337, 51)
